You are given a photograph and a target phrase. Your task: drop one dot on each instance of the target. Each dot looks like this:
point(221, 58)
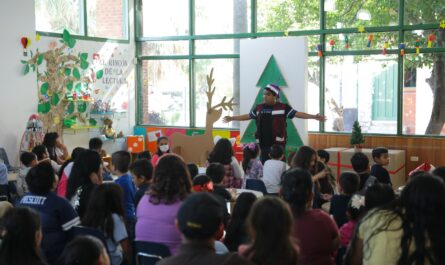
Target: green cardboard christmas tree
point(272, 74)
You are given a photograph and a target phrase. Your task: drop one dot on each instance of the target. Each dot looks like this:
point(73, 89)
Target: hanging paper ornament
point(347, 46)
point(402, 48)
point(417, 45)
point(25, 43)
point(320, 50)
point(431, 39)
point(361, 29)
point(370, 38)
point(385, 48)
point(332, 43)
point(442, 24)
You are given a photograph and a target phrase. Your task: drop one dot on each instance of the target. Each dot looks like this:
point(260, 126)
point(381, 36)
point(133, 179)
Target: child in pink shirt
point(354, 212)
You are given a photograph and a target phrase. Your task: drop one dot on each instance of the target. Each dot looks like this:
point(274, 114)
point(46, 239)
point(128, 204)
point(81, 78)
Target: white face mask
point(164, 148)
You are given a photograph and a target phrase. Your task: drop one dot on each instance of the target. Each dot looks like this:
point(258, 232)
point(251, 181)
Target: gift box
point(135, 143)
point(340, 161)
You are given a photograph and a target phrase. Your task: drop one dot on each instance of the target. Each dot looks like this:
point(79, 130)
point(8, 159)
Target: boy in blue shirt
point(381, 158)
point(120, 161)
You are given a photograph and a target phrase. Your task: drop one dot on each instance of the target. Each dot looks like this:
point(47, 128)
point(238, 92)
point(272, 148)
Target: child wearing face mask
point(163, 148)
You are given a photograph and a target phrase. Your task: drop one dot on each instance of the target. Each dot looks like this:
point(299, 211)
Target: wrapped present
point(340, 161)
point(135, 143)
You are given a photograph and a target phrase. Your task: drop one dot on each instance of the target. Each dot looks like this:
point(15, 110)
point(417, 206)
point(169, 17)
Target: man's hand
point(318, 117)
point(227, 119)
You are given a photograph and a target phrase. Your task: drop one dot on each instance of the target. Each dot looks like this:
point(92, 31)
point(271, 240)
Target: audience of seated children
point(200, 220)
point(105, 211)
point(270, 224)
point(142, 172)
point(381, 159)
point(360, 164)
point(193, 169)
point(85, 250)
point(349, 182)
point(323, 191)
point(378, 195)
point(65, 171)
point(96, 144)
point(216, 172)
point(252, 166)
point(43, 156)
point(57, 216)
point(156, 212)
point(120, 163)
point(85, 175)
point(57, 151)
point(223, 153)
point(236, 233)
point(314, 229)
point(163, 148)
point(28, 160)
point(21, 238)
point(408, 231)
point(273, 169)
point(144, 155)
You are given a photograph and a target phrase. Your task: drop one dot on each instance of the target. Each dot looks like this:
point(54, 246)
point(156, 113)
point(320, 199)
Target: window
point(102, 19)
point(377, 65)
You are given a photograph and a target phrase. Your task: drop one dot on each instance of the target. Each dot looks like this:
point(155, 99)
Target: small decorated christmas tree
point(357, 137)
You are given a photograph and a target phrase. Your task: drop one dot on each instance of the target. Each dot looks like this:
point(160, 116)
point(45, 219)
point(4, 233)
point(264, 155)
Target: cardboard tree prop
point(64, 86)
point(196, 148)
point(272, 74)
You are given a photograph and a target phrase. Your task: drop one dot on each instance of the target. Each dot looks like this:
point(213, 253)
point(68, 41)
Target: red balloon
point(24, 42)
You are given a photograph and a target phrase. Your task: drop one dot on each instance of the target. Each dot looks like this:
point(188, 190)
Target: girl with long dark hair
point(58, 152)
point(252, 166)
point(156, 211)
point(315, 230)
point(223, 153)
point(408, 231)
point(270, 224)
point(21, 237)
point(85, 175)
point(105, 211)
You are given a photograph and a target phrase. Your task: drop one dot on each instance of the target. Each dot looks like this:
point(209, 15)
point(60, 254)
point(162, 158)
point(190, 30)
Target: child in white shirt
point(273, 169)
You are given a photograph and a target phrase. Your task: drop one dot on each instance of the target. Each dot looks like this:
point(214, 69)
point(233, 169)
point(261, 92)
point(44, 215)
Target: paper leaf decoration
point(66, 36)
point(78, 87)
point(81, 106)
point(99, 74)
point(26, 69)
point(55, 99)
point(92, 122)
point(44, 88)
point(69, 85)
point(67, 71)
point(76, 73)
point(70, 108)
point(44, 107)
point(40, 59)
point(83, 56)
point(84, 64)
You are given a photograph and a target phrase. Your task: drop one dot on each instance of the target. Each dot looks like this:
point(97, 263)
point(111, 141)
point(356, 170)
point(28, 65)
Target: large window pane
point(288, 15)
point(229, 46)
point(165, 18)
point(218, 17)
point(421, 12)
point(153, 48)
point(165, 92)
point(57, 15)
point(227, 80)
point(351, 14)
point(423, 94)
point(362, 88)
point(313, 91)
point(107, 18)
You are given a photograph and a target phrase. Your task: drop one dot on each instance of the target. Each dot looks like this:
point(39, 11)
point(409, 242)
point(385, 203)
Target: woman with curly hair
point(156, 211)
point(408, 231)
point(223, 153)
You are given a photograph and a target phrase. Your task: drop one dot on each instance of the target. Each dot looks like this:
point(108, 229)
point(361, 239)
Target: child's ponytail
point(250, 151)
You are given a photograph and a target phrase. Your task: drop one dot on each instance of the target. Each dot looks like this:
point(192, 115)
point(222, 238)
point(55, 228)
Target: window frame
point(322, 33)
point(83, 17)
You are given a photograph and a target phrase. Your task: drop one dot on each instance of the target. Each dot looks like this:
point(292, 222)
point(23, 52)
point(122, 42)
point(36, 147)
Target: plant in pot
point(357, 138)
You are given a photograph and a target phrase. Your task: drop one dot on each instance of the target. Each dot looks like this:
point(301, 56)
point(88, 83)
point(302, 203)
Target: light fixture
point(363, 14)
point(329, 5)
